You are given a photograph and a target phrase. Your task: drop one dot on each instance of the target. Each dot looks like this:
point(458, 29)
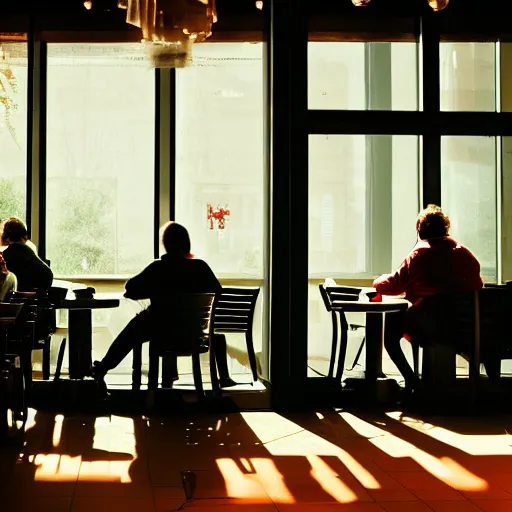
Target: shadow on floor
point(318, 461)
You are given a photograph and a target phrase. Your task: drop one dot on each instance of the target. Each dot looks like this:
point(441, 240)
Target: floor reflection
point(324, 460)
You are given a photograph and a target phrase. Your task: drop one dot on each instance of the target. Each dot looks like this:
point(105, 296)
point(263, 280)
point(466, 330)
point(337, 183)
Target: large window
point(363, 201)
point(468, 77)
point(220, 156)
point(468, 181)
point(100, 159)
point(362, 76)
point(13, 128)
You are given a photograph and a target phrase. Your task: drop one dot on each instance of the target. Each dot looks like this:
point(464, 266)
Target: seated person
point(31, 271)
point(29, 242)
point(437, 265)
point(8, 281)
point(177, 271)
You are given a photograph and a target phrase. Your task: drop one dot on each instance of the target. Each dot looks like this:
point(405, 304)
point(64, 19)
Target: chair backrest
point(495, 306)
point(9, 313)
point(483, 315)
point(182, 323)
point(331, 294)
point(44, 310)
point(234, 309)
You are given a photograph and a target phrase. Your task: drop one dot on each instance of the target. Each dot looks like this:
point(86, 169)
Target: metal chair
point(234, 312)
point(182, 327)
point(15, 346)
point(329, 295)
point(45, 323)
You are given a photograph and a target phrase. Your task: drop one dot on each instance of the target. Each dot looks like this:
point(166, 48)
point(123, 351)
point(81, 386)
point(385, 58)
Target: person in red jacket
point(438, 264)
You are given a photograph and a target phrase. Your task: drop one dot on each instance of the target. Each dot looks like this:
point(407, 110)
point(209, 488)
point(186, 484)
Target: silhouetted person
point(437, 265)
point(175, 272)
point(30, 270)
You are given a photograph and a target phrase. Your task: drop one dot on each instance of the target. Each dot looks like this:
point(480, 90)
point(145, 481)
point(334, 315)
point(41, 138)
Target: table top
point(389, 305)
point(87, 304)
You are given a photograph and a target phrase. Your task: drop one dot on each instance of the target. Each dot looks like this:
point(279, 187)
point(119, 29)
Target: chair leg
point(358, 355)
point(26, 368)
point(343, 347)
point(154, 369)
point(334, 344)
point(46, 358)
point(252, 355)
point(198, 380)
point(60, 359)
point(136, 367)
point(416, 356)
point(213, 374)
point(169, 369)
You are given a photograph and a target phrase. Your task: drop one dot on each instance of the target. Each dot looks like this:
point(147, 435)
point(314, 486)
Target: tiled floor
point(319, 461)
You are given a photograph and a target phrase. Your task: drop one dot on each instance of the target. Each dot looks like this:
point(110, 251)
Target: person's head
point(176, 240)
point(14, 231)
point(432, 223)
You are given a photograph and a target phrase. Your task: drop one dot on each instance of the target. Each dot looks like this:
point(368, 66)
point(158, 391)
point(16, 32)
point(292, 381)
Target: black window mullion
point(165, 150)
point(43, 82)
point(156, 246)
point(431, 153)
point(289, 199)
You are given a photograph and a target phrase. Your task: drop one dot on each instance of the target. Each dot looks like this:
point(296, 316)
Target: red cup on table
point(374, 297)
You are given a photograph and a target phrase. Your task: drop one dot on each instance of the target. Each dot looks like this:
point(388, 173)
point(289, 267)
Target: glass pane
point(220, 171)
point(13, 129)
point(220, 156)
point(363, 203)
point(467, 77)
point(468, 178)
point(100, 159)
point(363, 76)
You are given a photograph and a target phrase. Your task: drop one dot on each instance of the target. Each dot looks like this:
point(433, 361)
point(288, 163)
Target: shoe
point(98, 374)
point(228, 382)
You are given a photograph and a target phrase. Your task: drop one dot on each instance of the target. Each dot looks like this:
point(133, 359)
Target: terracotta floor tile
point(241, 503)
point(383, 495)
point(502, 480)
point(111, 490)
point(446, 494)
point(168, 498)
point(493, 493)
point(418, 481)
point(494, 505)
point(324, 507)
point(232, 508)
point(83, 504)
point(27, 503)
point(402, 506)
point(451, 506)
point(46, 489)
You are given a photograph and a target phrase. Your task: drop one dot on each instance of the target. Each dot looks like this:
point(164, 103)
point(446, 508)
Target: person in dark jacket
point(32, 272)
point(175, 272)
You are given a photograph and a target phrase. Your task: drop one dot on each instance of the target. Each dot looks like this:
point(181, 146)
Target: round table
point(375, 325)
point(80, 332)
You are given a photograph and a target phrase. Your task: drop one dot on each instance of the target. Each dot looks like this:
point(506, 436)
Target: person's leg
point(492, 366)
point(135, 333)
point(394, 331)
point(219, 347)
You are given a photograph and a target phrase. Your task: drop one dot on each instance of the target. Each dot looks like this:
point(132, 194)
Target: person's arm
point(473, 276)
point(141, 286)
point(9, 284)
point(397, 282)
